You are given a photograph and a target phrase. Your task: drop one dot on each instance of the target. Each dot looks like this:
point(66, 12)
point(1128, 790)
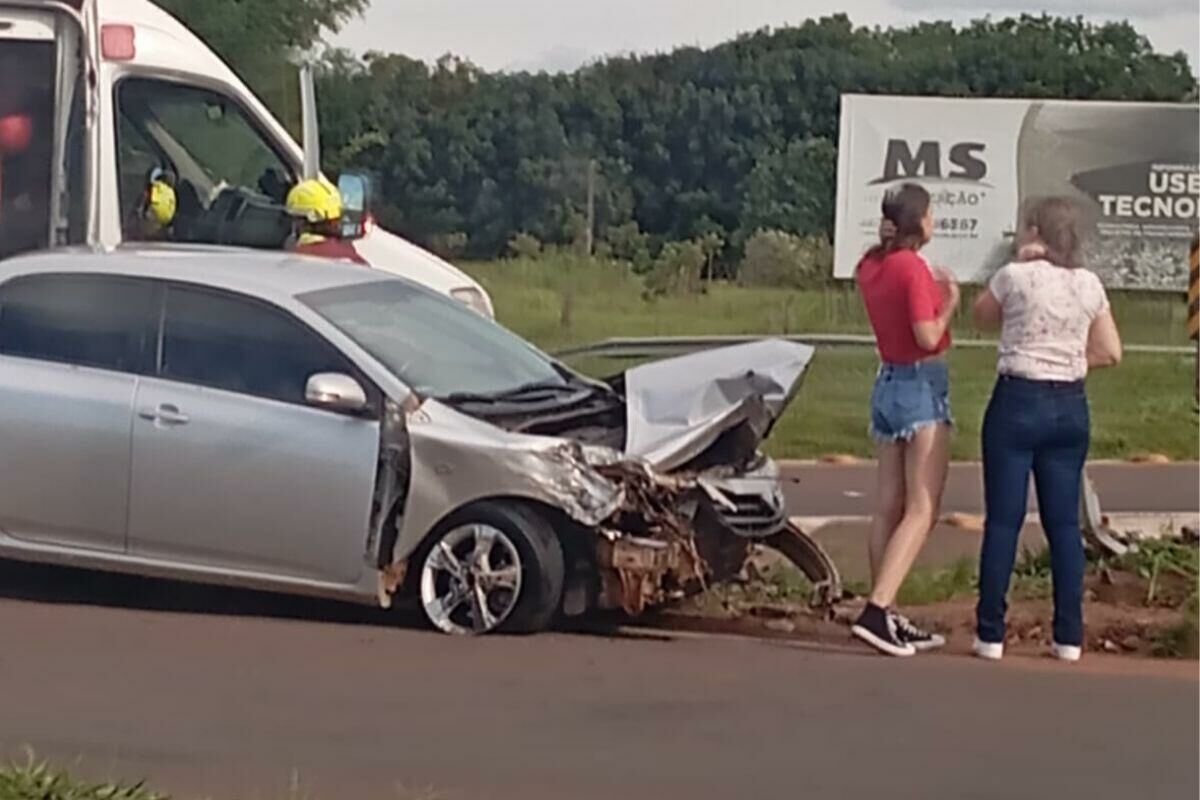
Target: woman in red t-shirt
point(910, 307)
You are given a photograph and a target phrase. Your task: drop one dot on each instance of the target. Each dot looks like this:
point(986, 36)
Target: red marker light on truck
point(117, 42)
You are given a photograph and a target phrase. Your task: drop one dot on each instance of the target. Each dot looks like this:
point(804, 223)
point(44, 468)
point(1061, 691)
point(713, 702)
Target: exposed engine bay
point(657, 473)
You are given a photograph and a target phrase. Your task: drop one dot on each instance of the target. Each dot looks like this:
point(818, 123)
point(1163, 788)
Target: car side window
point(242, 345)
point(86, 320)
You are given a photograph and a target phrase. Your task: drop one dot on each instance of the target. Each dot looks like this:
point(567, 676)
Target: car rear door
point(230, 467)
point(71, 348)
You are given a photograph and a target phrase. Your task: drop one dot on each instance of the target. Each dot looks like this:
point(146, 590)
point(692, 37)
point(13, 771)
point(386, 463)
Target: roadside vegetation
point(35, 779)
point(1143, 603)
point(38, 780)
point(1170, 571)
point(924, 585)
point(646, 156)
point(558, 300)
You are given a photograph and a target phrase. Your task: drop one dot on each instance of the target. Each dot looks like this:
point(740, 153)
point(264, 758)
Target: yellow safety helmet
point(161, 202)
point(315, 200)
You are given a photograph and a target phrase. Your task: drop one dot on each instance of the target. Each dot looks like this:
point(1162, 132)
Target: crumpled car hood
point(677, 408)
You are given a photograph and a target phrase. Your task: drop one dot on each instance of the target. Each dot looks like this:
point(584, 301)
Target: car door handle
point(165, 414)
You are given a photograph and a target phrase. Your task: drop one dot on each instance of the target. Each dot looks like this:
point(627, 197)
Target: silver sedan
point(305, 426)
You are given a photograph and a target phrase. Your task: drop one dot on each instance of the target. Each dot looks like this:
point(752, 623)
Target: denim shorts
point(909, 397)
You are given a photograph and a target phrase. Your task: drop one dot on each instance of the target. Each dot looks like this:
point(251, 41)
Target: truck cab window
point(227, 180)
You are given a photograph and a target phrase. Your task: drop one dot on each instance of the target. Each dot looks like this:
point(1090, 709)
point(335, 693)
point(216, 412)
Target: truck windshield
point(437, 346)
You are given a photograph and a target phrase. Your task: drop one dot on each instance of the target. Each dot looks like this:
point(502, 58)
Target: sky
point(563, 34)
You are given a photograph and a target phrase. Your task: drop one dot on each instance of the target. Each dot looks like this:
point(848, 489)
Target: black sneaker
point(877, 628)
point(919, 638)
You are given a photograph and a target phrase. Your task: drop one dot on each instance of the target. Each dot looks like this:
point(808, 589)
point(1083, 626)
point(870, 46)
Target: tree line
point(707, 146)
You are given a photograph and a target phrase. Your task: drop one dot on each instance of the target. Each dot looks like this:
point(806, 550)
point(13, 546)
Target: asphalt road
point(828, 490)
point(163, 682)
point(221, 694)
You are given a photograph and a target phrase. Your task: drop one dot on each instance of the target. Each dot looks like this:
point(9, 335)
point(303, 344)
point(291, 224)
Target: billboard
point(1134, 167)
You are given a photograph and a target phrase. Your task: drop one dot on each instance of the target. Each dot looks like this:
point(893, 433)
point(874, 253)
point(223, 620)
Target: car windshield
point(436, 345)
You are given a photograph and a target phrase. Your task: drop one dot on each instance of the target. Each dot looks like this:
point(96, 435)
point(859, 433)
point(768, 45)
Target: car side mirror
point(355, 189)
point(334, 391)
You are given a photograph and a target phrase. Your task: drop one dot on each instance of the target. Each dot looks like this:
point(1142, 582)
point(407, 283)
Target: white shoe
point(992, 651)
point(1067, 652)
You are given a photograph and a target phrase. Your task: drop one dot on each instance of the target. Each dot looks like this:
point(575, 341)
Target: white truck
point(96, 95)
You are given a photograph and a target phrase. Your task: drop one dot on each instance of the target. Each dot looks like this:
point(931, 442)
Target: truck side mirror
point(355, 189)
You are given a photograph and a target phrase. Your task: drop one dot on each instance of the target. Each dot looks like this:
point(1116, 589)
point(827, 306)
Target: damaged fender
point(457, 460)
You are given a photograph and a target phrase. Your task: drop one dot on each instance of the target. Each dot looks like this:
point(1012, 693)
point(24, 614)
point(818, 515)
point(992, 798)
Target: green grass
point(33, 779)
point(1155, 561)
point(1143, 406)
point(1031, 579)
point(923, 587)
point(1162, 562)
point(928, 585)
point(606, 299)
point(37, 780)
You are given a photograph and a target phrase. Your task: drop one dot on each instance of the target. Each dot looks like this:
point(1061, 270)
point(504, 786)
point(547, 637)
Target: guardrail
point(666, 346)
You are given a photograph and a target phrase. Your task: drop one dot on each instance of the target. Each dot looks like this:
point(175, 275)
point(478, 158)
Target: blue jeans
point(1043, 427)
point(909, 397)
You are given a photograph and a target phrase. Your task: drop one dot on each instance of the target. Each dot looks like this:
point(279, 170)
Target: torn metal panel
point(391, 490)
point(807, 554)
point(634, 571)
point(457, 460)
point(664, 543)
point(677, 408)
point(686, 538)
point(1096, 531)
point(391, 483)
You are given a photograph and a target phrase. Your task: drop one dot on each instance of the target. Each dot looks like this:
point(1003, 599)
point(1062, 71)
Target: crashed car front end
point(656, 482)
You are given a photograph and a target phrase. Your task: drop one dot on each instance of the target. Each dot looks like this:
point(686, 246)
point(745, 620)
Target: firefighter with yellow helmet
point(156, 211)
point(317, 206)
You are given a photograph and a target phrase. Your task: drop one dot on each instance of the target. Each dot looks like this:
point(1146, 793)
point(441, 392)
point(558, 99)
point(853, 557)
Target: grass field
point(1143, 406)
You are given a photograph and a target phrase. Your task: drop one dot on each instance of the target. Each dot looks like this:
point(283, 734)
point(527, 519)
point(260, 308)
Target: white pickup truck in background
point(97, 94)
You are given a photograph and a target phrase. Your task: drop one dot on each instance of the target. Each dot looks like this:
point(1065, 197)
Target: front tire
point(492, 567)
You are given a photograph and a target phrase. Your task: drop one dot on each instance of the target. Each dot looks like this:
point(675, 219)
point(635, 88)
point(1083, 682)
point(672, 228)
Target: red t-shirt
point(332, 248)
point(899, 290)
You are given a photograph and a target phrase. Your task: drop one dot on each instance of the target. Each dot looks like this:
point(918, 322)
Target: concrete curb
point(1144, 525)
